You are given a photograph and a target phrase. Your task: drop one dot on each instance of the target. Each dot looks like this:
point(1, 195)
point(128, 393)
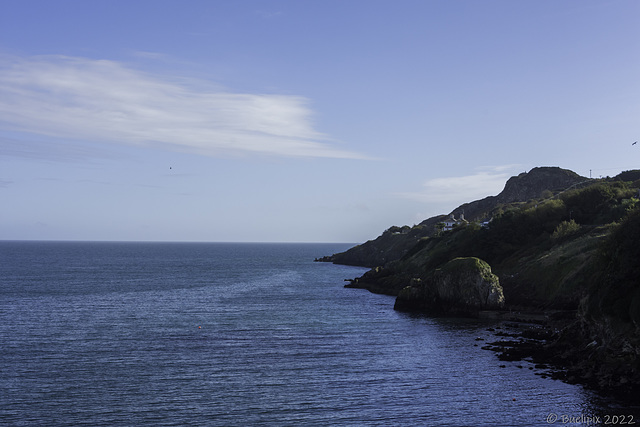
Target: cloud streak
point(462, 189)
point(105, 101)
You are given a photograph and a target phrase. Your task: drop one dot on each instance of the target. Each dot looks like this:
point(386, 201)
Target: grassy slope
point(577, 251)
point(540, 263)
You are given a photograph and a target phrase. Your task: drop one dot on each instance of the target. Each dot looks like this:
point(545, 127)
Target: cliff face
point(540, 182)
point(535, 183)
point(463, 286)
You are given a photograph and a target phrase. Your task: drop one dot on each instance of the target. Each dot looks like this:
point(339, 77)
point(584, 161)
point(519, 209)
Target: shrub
point(565, 228)
point(598, 203)
point(616, 292)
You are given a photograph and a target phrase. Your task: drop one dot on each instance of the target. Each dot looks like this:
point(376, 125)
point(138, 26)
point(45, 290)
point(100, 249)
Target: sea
point(242, 334)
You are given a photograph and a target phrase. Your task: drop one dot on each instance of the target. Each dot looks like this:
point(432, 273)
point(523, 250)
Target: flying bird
point(635, 143)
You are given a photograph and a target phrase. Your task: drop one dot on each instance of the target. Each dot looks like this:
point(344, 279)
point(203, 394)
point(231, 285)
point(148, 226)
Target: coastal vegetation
point(461, 286)
point(559, 244)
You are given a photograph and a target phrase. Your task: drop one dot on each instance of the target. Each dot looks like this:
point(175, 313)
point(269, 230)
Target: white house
point(451, 222)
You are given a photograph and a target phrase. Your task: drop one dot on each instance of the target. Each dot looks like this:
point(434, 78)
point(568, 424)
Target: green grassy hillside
point(575, 250)
point(544, 251)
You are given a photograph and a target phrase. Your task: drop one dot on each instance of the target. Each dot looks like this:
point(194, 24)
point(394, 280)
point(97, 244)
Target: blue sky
point(299, 121)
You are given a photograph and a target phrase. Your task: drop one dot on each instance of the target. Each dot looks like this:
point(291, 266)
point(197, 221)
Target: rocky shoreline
point(600, 353)
point(554, 344)
point(555, 241)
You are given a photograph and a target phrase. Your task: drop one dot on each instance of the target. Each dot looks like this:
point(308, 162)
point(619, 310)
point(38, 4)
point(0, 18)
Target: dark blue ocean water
point(195, 334)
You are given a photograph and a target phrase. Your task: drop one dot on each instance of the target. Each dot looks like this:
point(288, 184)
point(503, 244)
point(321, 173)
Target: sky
point(299, 120)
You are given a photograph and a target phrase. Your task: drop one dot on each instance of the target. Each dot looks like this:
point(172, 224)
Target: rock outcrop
point(532, 184)
point(463, 286)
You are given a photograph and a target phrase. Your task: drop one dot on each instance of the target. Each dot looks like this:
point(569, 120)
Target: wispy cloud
point(105, 101)
point(487, 181)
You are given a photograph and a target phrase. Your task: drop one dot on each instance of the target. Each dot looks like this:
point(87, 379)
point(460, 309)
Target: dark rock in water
point(463, 286)
point(609, 364)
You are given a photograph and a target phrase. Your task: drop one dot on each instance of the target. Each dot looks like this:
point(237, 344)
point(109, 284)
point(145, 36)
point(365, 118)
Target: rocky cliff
point(538, 183)
point(463, 286)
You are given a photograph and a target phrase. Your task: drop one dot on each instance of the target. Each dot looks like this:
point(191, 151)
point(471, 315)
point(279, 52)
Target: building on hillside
point(451, 222)
point(485, 223)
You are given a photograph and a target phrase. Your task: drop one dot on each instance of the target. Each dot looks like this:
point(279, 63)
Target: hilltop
point(552, 243)
point(395, 242)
